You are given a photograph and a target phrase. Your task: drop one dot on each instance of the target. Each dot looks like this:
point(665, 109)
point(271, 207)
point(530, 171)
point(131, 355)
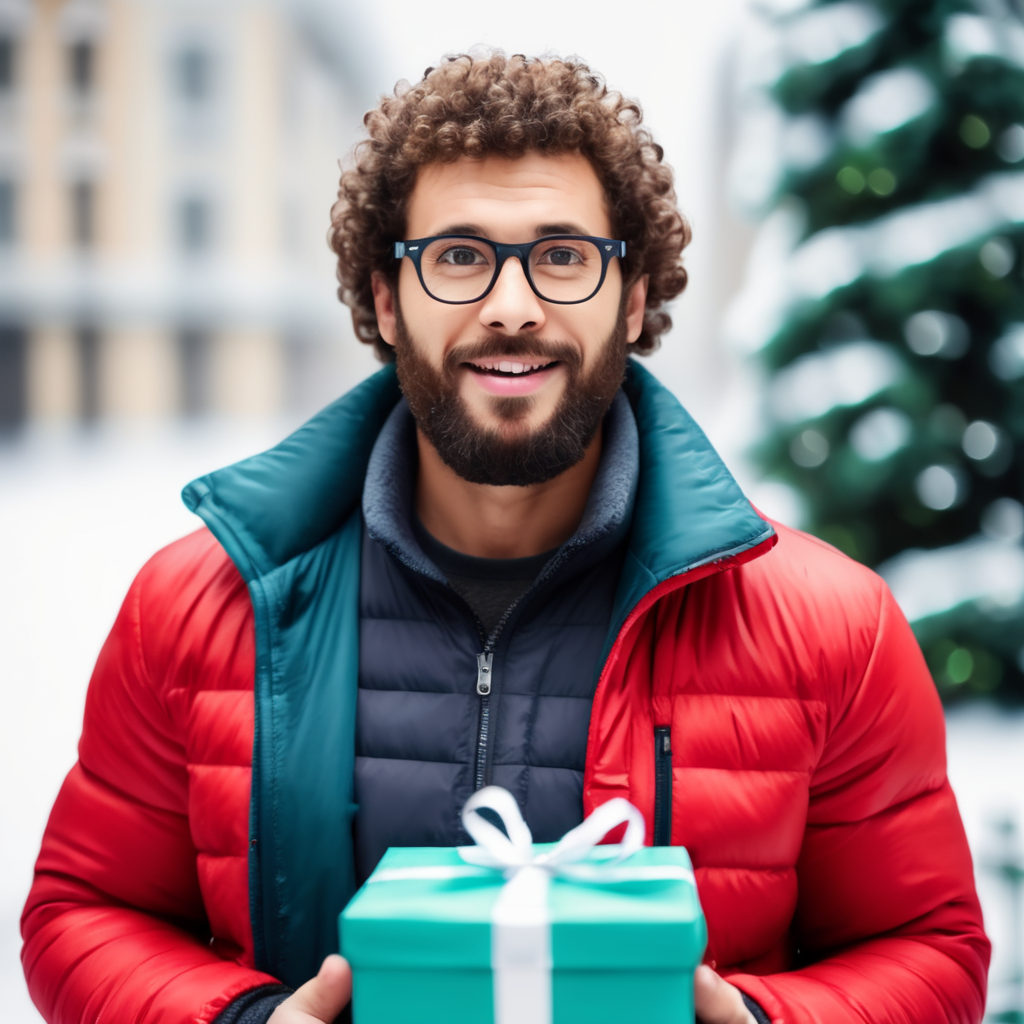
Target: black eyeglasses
point(463, 268)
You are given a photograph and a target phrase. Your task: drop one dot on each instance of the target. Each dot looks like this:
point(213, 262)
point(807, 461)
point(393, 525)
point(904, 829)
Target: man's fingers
point(326, 995)
point(716, 1001)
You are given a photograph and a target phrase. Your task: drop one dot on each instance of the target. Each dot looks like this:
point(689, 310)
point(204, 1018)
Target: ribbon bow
point(513, 852)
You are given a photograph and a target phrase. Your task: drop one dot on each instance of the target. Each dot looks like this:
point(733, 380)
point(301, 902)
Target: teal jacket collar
point(290, 521)
point(269, 509)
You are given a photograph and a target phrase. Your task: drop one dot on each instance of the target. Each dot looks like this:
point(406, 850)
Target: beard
point(511, 455)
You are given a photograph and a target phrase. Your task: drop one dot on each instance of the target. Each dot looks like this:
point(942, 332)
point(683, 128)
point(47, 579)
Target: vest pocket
point(662, 785)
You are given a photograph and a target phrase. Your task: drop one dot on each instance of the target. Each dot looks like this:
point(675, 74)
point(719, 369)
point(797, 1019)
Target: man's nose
point(512, 306)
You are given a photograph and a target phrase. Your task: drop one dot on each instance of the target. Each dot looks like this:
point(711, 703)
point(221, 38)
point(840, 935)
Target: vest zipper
point(484, 663)
point(485, 672)
point(662, 786)
point(484, 685)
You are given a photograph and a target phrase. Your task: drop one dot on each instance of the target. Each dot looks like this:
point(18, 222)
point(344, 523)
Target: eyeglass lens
point(461, 269)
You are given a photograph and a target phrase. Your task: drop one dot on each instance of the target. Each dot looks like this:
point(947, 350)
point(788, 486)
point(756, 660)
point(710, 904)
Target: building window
point(7, 58)
point(194, 363)
point(82, 56)
point(83, 213)
point(194, 75)
point(87, 341)
point(195, 225)
point(7, 224)
point(13, 377)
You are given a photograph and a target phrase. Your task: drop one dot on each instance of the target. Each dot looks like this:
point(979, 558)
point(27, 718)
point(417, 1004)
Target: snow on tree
point(883, 144)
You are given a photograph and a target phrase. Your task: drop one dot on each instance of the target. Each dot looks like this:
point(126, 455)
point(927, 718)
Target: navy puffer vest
point(443, 709)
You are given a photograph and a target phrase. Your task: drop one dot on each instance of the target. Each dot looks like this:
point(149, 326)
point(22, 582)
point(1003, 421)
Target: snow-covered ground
point(986, 768)
point(79, 515)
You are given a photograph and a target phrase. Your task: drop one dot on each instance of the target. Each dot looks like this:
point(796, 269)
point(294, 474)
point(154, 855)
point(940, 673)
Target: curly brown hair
point(495, 105)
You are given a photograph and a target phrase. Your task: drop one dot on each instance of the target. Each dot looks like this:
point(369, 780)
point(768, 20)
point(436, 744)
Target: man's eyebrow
point(462, 229)
point(562, 228)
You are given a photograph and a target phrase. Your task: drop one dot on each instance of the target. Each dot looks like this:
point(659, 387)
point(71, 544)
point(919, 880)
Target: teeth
point(508, 365)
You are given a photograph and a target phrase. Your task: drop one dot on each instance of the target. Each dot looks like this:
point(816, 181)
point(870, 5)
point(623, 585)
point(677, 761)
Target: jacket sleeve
point(114, 928)
point(887, 919)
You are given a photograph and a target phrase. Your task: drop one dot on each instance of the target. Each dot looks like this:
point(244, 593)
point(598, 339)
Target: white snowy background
point(80, 513)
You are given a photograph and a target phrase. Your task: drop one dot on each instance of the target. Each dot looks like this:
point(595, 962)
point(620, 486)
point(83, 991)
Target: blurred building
point(166, 174)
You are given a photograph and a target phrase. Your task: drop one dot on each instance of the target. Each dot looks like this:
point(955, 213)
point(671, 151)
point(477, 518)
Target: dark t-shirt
point(490, 586)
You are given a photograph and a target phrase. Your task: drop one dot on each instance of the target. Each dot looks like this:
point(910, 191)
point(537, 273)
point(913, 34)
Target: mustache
point(522, 346)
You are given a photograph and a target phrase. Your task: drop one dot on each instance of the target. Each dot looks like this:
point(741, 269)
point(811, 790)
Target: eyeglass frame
point(607, 247)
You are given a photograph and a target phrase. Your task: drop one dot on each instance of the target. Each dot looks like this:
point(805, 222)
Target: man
point(517, 562)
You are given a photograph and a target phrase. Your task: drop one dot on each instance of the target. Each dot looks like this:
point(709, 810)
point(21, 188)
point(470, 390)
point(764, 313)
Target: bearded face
point(509, 388)
point(511, 451)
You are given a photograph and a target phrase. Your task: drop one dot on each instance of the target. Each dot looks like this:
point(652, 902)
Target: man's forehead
point(499, 195)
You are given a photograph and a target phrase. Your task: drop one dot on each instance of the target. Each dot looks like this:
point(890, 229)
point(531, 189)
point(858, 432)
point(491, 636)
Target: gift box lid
point(444, 921)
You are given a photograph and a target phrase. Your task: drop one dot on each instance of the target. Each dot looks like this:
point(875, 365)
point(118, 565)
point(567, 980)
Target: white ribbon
point(520, 920)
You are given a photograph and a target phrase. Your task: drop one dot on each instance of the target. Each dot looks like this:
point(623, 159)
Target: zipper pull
point(483, 673)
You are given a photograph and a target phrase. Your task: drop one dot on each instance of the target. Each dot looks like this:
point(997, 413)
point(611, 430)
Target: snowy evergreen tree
point(884, 144)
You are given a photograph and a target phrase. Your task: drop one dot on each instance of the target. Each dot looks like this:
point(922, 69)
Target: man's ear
point(384, 305)
point(636, 306)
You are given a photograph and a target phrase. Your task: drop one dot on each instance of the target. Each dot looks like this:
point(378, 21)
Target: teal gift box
point(436, 940)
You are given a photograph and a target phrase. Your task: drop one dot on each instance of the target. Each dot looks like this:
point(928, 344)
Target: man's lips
point(506, 377)
point(509, 367)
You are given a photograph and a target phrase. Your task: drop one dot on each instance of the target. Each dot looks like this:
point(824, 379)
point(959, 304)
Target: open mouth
point(510, 367)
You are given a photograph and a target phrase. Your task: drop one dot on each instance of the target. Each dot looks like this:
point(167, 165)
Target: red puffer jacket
point(808, 782)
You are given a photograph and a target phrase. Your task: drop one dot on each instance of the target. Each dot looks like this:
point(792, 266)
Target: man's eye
point(561, 257)
point(461, 256)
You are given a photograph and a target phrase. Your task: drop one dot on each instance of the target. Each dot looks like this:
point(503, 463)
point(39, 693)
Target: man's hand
point(715, 1000)
point(321, 999)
